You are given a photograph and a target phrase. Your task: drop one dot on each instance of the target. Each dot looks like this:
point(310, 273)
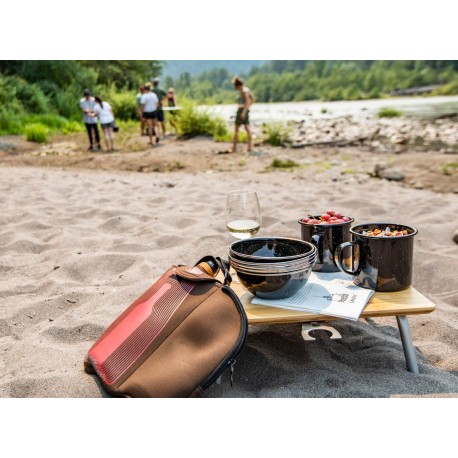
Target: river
point(425, 107)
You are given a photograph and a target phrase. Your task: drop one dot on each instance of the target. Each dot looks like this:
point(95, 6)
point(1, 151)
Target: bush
point(389, 113)
point(19, 95)
point(192, 121)
point(123, 104)
point(72, 127)
point(448, 89)
point(68, 104)
point(10, 123)
point(276, 134)
point(53, 121)
point(36, 133)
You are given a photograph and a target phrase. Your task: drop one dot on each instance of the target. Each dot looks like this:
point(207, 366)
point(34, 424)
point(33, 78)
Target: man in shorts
point(138, 101)
point(87, 107)
point(161, 94)
point(149, 104)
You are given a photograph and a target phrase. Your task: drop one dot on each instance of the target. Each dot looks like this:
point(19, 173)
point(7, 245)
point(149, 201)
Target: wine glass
point(243, 214)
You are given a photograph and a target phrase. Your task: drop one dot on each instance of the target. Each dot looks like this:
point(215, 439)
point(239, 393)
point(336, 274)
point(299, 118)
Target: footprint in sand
point(86, 332)
point(88, 269)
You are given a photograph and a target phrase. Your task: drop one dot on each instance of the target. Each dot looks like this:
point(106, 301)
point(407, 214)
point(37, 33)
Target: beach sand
point(78, 246)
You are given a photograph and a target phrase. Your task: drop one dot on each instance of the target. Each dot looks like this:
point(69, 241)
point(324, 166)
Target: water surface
point(424, 107)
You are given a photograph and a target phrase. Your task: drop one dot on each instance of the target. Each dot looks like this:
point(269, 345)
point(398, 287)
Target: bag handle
point(218, 263)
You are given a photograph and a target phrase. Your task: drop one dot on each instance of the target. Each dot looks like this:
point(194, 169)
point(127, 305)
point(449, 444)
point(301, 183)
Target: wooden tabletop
point(406, 302)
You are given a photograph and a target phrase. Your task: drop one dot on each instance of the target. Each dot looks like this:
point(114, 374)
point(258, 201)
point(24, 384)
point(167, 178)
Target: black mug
point(380, 263)
point(326, 238)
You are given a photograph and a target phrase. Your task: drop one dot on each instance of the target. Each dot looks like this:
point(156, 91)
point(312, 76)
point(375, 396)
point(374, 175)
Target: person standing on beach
point(160, 96)
point(244, 102)
point(149, 104)
point(138, 101)
point(172, 103)
point(87, 104)
point(104, 112)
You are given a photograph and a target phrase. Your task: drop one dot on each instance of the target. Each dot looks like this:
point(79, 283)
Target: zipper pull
point(232, 362)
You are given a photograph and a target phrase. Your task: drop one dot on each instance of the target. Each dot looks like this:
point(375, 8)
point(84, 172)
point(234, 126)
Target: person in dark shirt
point(161, 94)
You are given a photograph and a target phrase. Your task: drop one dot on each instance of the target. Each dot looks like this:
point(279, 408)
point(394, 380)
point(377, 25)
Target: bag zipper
point(230, 360)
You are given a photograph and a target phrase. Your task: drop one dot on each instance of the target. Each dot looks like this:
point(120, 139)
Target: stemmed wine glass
point(243, 214)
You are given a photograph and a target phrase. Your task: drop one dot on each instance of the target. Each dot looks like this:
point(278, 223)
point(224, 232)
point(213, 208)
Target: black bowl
point(274, 268)
point(277, 286)
point(269, 249)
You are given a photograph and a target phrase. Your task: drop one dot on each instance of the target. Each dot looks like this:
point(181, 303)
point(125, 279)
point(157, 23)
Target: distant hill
point(174, 68)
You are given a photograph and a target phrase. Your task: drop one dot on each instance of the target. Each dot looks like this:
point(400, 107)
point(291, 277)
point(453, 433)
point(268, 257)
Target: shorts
point(107, 125)
point(160, 115)
point(238, 119)
point(149, 114)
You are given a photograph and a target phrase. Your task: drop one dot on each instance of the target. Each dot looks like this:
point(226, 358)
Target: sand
point(78, 246)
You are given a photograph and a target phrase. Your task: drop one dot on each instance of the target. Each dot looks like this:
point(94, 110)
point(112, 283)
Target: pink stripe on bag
point(126, 327)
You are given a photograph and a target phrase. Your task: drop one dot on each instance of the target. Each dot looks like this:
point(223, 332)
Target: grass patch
point(276, 134)
point(37, 133)
point(229, 136)
point(386, 112)
point(322, 166)
point(324, 110)
point(287, 164)
point(177, 165)
point(349, 171)
point(450, 168)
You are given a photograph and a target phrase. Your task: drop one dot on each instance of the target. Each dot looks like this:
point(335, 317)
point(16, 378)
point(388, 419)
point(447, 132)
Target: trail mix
point(330, 217)
point(387, 232)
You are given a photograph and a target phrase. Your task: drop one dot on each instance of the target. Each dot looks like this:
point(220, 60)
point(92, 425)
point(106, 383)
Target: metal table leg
point(406, 338)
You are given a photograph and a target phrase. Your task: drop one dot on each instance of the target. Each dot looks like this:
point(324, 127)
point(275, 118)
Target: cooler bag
point(176, 339)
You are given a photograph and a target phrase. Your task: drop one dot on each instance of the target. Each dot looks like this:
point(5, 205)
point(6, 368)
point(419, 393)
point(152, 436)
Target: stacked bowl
point(272, 267)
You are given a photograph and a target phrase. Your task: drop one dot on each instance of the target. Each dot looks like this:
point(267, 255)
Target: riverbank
point(417, 153)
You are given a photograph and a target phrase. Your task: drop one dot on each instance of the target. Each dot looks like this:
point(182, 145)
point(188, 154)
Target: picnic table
point(399, 304)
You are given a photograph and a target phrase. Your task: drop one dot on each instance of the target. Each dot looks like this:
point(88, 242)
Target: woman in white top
point(149, 104)
point(104, 112)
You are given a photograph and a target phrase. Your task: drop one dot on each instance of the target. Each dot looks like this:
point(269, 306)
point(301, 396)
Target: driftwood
point(347, 142)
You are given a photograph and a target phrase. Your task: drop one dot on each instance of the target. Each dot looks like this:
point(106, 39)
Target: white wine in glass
point(243, 214)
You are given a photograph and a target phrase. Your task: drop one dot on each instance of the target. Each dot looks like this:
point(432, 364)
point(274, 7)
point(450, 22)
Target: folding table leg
point(406, 338)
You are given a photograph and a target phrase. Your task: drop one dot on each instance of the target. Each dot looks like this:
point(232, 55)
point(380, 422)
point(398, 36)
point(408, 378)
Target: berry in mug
point(330, 217)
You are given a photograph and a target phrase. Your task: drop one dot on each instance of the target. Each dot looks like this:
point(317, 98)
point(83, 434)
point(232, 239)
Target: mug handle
point(317, 240)
point(338, 257)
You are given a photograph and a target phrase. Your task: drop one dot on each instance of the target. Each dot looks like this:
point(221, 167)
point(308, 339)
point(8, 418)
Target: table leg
point(406, 338)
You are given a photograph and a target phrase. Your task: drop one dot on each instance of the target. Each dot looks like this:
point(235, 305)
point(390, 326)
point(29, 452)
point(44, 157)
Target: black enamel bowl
point(275, 286)
point(270, 249)
point(279, 267)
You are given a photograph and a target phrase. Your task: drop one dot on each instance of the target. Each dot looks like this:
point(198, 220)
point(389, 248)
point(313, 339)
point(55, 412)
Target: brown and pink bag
point(176, 339)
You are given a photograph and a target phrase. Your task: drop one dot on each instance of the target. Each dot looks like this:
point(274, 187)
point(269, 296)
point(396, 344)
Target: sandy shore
point(77, 247)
